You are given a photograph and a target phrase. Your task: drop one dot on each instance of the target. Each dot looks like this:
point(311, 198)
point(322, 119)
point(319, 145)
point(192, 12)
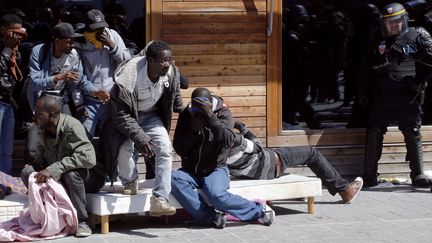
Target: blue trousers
point(215, 189)
point(7, 125)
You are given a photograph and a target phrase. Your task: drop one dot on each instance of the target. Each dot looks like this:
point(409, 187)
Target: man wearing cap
point(56, 70)
point(396, 66)
point(102, 52)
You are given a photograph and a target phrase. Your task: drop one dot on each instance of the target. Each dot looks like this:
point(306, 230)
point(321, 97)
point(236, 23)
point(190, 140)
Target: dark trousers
point(76, 183)
point(397, 109)
point(312, 158)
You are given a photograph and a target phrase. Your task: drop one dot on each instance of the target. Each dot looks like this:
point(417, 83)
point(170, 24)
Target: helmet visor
point(394, 25)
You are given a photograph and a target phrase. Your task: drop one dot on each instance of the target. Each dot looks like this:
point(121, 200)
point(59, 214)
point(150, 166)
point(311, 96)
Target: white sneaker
point(219, 220)
point(83, 230)
point(268, 216)
point(160, 207)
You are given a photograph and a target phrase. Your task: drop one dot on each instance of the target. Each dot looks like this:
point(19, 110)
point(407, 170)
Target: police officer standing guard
point(396, 66)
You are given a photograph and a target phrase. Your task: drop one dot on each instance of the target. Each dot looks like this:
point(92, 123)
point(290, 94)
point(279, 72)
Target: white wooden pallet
point(104, 204)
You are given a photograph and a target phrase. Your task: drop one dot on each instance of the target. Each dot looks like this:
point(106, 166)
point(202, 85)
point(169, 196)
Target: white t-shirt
point(65, 63)
point(149, 93)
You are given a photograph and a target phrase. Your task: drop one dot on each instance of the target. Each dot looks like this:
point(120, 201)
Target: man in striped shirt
point(250, 159)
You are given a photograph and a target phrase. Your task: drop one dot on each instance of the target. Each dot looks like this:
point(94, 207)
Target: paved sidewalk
point(398, 214)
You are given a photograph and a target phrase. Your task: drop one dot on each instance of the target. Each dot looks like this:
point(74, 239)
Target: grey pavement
point(396, 214)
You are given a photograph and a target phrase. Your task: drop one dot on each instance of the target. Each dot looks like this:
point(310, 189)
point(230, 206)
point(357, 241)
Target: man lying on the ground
point(250, 159)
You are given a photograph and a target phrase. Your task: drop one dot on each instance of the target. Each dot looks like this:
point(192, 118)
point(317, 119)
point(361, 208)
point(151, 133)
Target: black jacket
point(395, 65)
point(122, 123)
point(204, 151)
point(7, 83)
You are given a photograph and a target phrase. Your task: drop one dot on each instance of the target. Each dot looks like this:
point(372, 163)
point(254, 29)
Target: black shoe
point(421, 181)
point(370, 181)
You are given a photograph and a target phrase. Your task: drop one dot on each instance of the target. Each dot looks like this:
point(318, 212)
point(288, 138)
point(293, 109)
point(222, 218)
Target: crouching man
point(202, 138)
point(64, 154)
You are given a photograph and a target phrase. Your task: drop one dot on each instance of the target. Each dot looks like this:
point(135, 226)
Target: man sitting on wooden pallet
point(250, 159)
point(64, 154)
point(203, 137)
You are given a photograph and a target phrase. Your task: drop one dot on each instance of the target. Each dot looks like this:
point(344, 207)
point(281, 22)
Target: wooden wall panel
point(223, 70)
point(213, 28)
point(203, 60)
point(218, 49)
point(226, 38)
point(214, 6)
point(215, 17)
point(231, 91)
point(233, 80)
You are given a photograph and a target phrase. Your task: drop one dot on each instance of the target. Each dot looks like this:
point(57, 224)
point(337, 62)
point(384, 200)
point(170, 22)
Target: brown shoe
point(353, 189)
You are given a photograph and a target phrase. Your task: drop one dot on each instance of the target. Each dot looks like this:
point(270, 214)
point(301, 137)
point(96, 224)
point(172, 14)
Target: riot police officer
point(396, 67)
point(297, 61)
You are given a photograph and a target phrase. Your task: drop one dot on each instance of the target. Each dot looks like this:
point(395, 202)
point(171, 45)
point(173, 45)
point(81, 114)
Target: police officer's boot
point(415, 156)
point(374, 140)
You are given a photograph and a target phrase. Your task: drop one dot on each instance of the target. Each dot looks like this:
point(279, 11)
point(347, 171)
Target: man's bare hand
point(70, 76)
point(147, 150)
point(204, 106)
point(42, 176)
point(105, 39)
point(102, 95)
point(12, 39)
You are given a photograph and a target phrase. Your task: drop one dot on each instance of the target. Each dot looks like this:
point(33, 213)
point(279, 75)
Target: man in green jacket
point(64, 154)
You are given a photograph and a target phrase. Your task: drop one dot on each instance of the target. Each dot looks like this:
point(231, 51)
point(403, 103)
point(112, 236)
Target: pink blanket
point(50, 214)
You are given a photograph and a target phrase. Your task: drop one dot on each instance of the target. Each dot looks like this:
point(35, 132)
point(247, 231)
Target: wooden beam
point(274, 73)
point(155, 19)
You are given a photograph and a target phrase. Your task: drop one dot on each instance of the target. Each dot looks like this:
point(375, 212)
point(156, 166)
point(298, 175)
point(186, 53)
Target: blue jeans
point(153, 126)
point(215, 188)
point(7, 125)
point(96, 115)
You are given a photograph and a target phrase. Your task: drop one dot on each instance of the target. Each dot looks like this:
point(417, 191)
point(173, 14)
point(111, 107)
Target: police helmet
point(299, 13)
point(394, 20)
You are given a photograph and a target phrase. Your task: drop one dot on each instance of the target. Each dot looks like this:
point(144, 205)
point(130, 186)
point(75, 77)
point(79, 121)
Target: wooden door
point(220, 45)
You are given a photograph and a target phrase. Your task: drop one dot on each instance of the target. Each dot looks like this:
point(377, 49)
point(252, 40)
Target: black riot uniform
point(396, 68)
point(298, 62)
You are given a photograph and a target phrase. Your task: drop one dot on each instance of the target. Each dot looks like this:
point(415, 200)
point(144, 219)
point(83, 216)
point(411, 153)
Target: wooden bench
point(104, 204)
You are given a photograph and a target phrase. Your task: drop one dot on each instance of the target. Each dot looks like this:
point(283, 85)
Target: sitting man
point(56, 70)
point(64, 154)
point(250, 159)
point(203, 138)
